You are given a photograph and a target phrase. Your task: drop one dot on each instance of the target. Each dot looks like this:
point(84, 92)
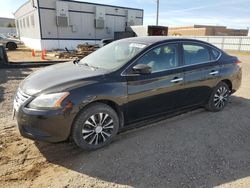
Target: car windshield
point(3, 36)
point(113, 55)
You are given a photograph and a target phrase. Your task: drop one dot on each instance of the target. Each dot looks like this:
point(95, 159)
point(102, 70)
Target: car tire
point(11, 46)
point(218, 98)
point(95, 126)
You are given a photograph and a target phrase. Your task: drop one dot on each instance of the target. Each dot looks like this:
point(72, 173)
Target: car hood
point(59, 77)
point(13, 40)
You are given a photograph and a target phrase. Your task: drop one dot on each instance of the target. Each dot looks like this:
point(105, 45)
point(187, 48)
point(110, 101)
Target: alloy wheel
point(221, 97)
point(98, 128)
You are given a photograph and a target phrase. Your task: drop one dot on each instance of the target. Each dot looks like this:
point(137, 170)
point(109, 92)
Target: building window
point(28, 21)
point(32, 20)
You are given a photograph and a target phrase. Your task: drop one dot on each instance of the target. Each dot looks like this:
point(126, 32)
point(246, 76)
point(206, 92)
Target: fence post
point(222, 43)
point(240, 44)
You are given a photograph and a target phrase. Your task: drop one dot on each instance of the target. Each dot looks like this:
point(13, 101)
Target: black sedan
point(121, 84)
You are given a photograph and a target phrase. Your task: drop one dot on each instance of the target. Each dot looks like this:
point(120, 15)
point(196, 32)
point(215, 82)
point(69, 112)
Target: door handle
point(214, 72)
point(176, 80)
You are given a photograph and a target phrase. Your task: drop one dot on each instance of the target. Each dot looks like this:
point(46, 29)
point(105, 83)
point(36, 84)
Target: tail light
point(238, 62)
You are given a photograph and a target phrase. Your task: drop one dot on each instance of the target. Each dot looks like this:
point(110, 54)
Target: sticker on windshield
point(136, 45)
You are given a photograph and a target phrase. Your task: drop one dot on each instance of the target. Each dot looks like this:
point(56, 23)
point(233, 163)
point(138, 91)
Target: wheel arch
point(229, 83)
point(110, 103)
point(115, 107)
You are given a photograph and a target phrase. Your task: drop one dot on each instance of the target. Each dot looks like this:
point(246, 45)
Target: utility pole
point(157, 14)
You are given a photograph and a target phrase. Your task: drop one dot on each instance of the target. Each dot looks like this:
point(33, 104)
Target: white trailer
point(56, 24)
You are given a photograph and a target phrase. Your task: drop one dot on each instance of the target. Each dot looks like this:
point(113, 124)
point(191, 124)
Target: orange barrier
point(43, 54)
point(33, 53)
point(44, 51)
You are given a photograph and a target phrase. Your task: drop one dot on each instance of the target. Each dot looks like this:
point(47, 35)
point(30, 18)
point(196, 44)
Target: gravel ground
point(23, 53)
point(196, 149)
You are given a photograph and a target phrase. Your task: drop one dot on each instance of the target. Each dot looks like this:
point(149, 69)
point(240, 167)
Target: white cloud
point(187, 9)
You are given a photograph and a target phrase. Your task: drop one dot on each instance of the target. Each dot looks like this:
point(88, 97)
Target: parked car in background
point(10, 43)
point(120, 84)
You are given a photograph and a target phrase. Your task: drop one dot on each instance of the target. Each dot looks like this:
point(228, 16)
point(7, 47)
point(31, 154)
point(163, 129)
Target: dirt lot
point(196, 149)
point(23, 53)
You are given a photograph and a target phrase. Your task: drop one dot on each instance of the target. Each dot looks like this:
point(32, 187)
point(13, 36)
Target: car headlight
point(52, 101)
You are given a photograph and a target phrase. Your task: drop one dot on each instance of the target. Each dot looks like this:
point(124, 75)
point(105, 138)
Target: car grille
point(20, 99)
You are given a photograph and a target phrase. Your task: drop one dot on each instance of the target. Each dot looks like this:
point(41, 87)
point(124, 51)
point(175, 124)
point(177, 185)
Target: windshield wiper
point(86, 64)
point(76, 61)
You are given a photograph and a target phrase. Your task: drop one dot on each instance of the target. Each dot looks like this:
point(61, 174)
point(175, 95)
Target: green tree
point(11, 25)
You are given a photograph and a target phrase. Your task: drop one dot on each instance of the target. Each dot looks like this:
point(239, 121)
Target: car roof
point(158, 39)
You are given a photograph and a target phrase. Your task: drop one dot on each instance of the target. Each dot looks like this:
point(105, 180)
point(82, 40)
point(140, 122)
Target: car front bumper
point(50, 126)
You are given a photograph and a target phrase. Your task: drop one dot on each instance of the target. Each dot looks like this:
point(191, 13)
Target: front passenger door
point(160, 91)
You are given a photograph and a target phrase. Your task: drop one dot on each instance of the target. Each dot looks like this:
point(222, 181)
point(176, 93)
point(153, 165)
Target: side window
point(161, 58)
point(214, 54)
point(195, 53)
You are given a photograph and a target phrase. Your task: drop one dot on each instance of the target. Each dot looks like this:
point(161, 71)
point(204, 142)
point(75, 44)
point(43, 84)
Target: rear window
point(195, 54)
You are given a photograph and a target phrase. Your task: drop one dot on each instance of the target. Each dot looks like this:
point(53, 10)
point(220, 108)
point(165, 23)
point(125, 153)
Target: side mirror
point(142, 69)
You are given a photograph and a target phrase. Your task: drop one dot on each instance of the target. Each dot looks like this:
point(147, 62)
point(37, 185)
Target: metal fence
point(237, 43)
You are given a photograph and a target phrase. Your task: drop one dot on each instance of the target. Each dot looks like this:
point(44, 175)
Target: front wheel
point(11, 46)
point(218, 98)
point(95, 126)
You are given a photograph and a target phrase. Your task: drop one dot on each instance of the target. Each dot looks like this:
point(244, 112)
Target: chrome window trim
point(183, 66)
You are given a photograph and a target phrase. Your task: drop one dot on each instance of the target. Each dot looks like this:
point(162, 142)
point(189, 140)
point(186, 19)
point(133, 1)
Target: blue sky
point(232, 13)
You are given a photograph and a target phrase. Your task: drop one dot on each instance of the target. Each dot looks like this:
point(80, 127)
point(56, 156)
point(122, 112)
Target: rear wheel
point(219, 98)
point(11, 46)
point(95, 126)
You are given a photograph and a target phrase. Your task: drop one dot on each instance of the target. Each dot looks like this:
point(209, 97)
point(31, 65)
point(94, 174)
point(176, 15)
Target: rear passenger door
point(201, 71)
